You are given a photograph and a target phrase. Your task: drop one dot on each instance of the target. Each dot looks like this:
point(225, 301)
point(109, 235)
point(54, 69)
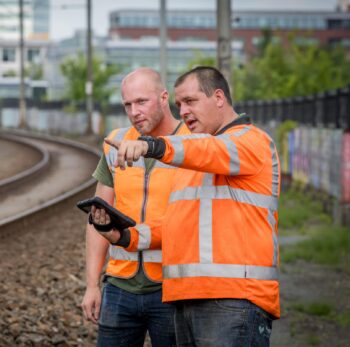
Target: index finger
point(113, 143)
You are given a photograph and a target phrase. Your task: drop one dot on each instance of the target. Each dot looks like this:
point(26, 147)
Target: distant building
point(133, 39)
point(192, 25)
point(36, 21)
point(35, 90)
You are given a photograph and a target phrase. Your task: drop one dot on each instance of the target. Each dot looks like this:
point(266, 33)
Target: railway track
point(62, 174)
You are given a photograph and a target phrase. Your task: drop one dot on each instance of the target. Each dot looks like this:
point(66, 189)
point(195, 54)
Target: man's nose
point(134, 110)
point(183, 111)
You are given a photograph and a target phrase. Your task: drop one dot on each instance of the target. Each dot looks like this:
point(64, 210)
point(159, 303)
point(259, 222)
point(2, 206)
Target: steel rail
point(9, 223)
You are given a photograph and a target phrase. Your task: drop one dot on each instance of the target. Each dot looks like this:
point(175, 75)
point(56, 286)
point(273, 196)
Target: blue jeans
point(126, 317)
point(221, 323)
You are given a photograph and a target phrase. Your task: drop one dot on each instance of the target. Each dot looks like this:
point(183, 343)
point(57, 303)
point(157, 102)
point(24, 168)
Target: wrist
point(155, 147)
point(93, 285)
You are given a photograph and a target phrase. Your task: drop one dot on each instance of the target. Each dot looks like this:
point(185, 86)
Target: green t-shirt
point(139, 284)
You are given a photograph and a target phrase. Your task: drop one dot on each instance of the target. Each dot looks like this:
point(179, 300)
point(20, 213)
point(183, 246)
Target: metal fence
point(330, 109)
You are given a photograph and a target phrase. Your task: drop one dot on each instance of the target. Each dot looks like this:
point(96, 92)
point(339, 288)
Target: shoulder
point(121, 133)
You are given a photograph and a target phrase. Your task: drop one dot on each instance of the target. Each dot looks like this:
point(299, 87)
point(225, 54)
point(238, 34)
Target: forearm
point(96, 251)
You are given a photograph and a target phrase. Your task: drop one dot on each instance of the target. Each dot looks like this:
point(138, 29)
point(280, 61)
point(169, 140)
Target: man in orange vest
point(219, 233)
point(131, 302)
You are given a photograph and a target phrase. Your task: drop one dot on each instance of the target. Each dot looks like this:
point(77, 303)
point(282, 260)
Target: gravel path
point(42, 283)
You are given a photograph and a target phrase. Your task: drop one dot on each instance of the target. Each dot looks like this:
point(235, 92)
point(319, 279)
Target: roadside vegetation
point(315, 274)
point(302, 214)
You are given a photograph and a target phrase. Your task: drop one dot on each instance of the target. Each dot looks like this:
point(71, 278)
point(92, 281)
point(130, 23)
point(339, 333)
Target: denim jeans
point(221, 323)
point(126, 317)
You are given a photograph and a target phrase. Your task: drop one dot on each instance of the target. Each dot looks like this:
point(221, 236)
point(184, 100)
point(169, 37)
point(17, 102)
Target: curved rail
point(7, 183)
point(28, 214)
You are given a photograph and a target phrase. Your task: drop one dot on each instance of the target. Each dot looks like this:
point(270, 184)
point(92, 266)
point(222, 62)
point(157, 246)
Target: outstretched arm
point(240, 152)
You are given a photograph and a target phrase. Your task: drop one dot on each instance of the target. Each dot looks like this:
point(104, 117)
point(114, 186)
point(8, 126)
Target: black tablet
point(119, 220)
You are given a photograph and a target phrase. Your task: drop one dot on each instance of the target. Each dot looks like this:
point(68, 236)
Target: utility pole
point(163, 40)
point(89, 81)
point(223, 25)
point(22, 97)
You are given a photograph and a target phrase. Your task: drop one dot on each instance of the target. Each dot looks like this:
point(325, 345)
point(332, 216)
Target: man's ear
point(219, 97)
point(164, 96)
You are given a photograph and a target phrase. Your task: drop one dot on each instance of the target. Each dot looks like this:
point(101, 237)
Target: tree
point(34, 72)
point(286, 71)
point(295, 70)
point(74, 69)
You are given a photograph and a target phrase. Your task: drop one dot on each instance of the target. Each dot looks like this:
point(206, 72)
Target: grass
point(327, 244)
point(322, 310)
point(316, 308)
point(313, 340)
point(297, 208)
point(343, 319)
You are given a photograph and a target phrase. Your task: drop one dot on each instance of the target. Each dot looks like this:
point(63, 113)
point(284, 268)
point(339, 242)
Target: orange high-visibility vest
point(142, 197)
point(219, 234)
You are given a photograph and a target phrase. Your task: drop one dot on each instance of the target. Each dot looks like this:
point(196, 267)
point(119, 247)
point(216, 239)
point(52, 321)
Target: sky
point(67, 16)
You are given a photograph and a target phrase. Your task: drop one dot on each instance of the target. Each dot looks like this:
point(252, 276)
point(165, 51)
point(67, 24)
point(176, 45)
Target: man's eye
point(142, 102)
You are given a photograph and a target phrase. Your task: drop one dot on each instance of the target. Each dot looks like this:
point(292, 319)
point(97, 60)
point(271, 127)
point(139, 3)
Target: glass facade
point(240, 20)
point(35, 15)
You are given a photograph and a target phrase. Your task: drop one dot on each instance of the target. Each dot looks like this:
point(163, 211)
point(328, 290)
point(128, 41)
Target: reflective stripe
point(241, 132)
point(179, 151)
point(205, 224)
point(272, 221)
point(275, 172)
point(225, 192)
point(144, 236)
point(159, 165)
point(119, 253)
point(221, 270)
point(232, 150)
point(152, 256)
point(274, 190)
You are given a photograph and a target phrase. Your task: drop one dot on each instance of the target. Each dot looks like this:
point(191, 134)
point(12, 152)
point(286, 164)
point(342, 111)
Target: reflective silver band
point(179, 151)
point(225, 192)
point(275, 171)
point(159, 165)
point(221, 270)
point(241, 132)
point(144, 236)
point(119, 253)
point(274, 190)
point(232, 150)
point(150, 256)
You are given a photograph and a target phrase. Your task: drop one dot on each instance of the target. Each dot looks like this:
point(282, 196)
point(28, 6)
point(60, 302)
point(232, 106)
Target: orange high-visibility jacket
point(142, 196)
point(219, 236)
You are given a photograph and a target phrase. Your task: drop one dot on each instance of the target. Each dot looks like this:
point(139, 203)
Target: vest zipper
point(144, 203)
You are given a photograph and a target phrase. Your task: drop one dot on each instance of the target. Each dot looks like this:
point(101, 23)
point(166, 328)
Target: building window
point(8, 54)
point(33, 55)
point(305, 41)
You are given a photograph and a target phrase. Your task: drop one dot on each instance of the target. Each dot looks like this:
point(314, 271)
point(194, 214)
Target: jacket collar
point(238, 121)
